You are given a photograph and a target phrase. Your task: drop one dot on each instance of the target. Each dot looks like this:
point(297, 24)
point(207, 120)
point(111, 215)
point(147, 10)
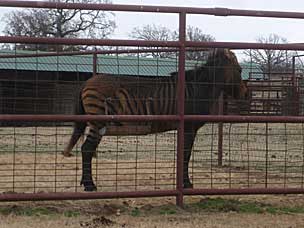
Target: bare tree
point(161, 33)
point(154, 32)
point(196, 34)
point(60, 23)
point(270, 60)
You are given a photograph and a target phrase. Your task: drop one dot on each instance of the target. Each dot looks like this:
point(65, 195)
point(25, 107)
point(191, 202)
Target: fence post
point(181, 104)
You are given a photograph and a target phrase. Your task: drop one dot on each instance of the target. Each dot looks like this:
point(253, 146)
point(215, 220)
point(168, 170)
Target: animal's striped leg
point(87, 150)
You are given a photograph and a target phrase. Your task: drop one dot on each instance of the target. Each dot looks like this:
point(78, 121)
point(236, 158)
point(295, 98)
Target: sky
point(246, 29)
point(238, 29)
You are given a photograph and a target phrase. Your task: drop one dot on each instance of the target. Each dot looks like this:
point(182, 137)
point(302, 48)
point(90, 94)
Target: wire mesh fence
point(234, 156)
point(123, 163)
point(254, 156)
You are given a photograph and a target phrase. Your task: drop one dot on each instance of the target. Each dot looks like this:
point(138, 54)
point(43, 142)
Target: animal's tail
point(78, 131)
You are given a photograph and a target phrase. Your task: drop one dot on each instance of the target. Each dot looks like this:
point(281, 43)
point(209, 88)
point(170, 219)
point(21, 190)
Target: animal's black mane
point(206, 71)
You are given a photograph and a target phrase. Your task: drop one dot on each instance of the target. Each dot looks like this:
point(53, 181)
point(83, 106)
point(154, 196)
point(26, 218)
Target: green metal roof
point(127, 65)
point(84, 63)
point(252, 70)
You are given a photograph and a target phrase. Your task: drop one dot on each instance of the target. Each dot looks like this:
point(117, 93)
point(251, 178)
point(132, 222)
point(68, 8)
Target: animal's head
point(226, 72)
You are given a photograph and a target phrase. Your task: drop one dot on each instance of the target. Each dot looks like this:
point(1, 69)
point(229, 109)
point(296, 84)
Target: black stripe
point(157, 102)
point(166, 98)
point(85, 96)
point(127, 96)
point(89, 105)
point(171, 98)
point(112, 108)
point(151, 101)
point(161, 99)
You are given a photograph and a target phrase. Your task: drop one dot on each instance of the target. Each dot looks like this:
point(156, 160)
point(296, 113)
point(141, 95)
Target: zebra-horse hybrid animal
point(128, 95)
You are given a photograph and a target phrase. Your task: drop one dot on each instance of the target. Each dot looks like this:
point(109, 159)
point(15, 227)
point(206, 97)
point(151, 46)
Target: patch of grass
point(36, 211)
point(228, 205)
point(71, 214)
point(26, 211)
point(135, 212)
point(285, 210)
point(167, 210)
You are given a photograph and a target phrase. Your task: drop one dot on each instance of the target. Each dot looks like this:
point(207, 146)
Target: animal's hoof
point(89, 186)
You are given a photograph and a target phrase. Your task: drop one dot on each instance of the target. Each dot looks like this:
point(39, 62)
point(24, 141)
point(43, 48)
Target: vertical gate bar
point(295, 88)
point(293, 70)
point(76, 157)
point(229, 155)
point(266, 155)
point(285, 154)
point(14, 158)
point(116, 164)
point(56, 156)
point(220, 131)
point(136, 177)
point(35, 160)
point(302, 177)
point(180, 103)
point(155, 160)
point(248, 156)
point(211, 155)
point(294, 110)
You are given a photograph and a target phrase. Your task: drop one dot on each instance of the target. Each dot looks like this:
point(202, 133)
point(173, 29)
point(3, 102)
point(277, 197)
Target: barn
point(49, 85)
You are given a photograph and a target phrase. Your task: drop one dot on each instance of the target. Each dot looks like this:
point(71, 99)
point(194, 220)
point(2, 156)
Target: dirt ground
point(186, 221)
point(148, 213)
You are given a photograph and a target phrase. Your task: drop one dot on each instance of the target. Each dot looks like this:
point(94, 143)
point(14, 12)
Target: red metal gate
point(280, 178)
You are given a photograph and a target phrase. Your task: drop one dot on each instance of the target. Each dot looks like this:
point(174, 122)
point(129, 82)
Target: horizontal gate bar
point(217, 11)
point(78, 41)
point(138, 194)
point(144, 43)
point(243, 191)
point(83, 196)
point(67, 53)
point(245, 119)
point(246, 45)
point(85, 118)
point(140, 118)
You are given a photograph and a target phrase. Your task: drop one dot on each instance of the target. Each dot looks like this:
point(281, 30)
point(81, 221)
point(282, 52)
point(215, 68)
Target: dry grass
point(119, 213)
point(218, 220)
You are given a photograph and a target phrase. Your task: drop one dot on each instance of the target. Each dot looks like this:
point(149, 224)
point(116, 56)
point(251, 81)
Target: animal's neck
point(215, 77)
point(202, 83)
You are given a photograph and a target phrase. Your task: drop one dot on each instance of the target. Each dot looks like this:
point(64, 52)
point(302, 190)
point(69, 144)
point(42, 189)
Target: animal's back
point(133, 83)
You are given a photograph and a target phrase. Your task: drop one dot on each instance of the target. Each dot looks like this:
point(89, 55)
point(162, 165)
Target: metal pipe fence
point(42, 176)
point(256, 157)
